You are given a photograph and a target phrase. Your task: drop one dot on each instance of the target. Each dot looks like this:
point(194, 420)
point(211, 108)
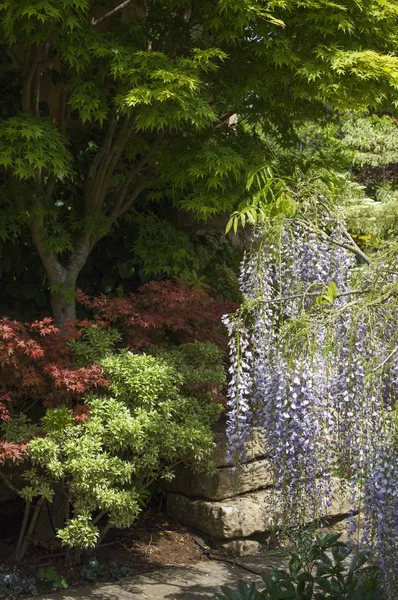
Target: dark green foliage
point(317, 569)
point(158, 105)
point(111, 571)
point(13, 586)
point(201, 365)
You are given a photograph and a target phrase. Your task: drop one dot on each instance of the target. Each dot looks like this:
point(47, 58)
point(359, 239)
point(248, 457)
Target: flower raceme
point(312, 365)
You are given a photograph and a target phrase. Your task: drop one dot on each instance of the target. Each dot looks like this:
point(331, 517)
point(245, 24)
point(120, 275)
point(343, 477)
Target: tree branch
point(386, 359)
point(13, 55)
point(117, 209)
point(225, 118)
point(106, 165)
point(8, 483)
point(111, 12)
point(352, 246)
point(27, 84)
point(131, 199)
point(318, 293)
point(55, 271)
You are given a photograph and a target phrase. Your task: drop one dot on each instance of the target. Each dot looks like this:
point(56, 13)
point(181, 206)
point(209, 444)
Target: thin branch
point(101, 514)
point(355, 245)
point(27, 539)
point(118, 207)
point(27, 84)
point(102, 152)
point(131, 199)
point(319, 293)
point(104, 532)
point(111, 12)
point(13, 55)
point(352, 246)
point(225, 118)
point(8, 483)
point(104, 173)
point(24, 525)
point(386, 359)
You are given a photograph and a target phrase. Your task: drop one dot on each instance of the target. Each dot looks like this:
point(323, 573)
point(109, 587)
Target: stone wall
point(234, 507)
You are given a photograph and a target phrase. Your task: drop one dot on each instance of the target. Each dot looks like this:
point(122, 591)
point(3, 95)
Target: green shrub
point(317, 569)
point(140, 431)
point(201, 365)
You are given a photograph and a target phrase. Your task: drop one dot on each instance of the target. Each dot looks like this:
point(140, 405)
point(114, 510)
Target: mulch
point(152, 542)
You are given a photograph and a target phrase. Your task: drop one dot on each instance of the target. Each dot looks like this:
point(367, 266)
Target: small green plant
point(51, 575)
point(316, 569)
point(12, 585)
point(112, 571)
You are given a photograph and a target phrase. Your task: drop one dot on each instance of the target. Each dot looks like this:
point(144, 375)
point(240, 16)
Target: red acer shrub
point(161, 312)
point(36, 363)
point(10, 451)
point(5, 400)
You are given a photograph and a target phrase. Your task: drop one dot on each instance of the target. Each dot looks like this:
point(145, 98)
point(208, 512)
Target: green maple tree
point(106, 105)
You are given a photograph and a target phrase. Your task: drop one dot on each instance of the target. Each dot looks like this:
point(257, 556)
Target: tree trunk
point(63, 282)
point(63, 308)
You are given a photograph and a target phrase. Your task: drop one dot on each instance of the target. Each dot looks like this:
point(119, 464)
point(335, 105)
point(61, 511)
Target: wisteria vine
point(314, 363)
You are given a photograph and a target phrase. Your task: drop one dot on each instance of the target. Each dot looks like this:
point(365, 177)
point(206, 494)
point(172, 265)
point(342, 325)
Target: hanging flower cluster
point(311, 364)
point(381, 510)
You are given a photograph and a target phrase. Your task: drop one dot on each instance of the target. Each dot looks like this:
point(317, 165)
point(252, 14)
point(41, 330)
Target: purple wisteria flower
point(319, 375)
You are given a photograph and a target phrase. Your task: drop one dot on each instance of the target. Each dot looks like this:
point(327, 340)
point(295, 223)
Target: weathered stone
point(239, 547)
point(225, 483)
point(351, 529)
point(254, 448)
point(243, 516)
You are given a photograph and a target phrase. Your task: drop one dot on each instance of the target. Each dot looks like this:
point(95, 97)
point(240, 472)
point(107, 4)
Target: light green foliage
point(134, 435)
point(51, 575)
point(373, 220)
point(79, 532)
point(372, 213)
point(140, 378)
point(94, 344)
point(163, 100)
point(29, 144)
point(373, 140)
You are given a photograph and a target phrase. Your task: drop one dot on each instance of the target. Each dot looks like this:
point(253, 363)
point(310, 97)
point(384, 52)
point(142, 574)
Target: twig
point(23, 527)
point(149, 545)
point(386, 359)
point(352, 246)
point(111, 12)
point(8, 483)
point(318, 293)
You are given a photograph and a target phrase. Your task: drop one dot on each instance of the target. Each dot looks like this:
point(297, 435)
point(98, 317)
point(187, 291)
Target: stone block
point(255, 448)
point(239, 547)
point(245, 515)
point(224, 483)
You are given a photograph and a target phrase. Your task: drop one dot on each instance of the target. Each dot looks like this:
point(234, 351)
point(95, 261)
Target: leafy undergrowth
point(151, 543)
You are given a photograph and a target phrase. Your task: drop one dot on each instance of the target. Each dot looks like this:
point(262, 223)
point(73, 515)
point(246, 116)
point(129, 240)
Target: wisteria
point(314, 361)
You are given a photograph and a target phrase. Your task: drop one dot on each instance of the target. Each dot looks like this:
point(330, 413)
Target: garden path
point(197, 582)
